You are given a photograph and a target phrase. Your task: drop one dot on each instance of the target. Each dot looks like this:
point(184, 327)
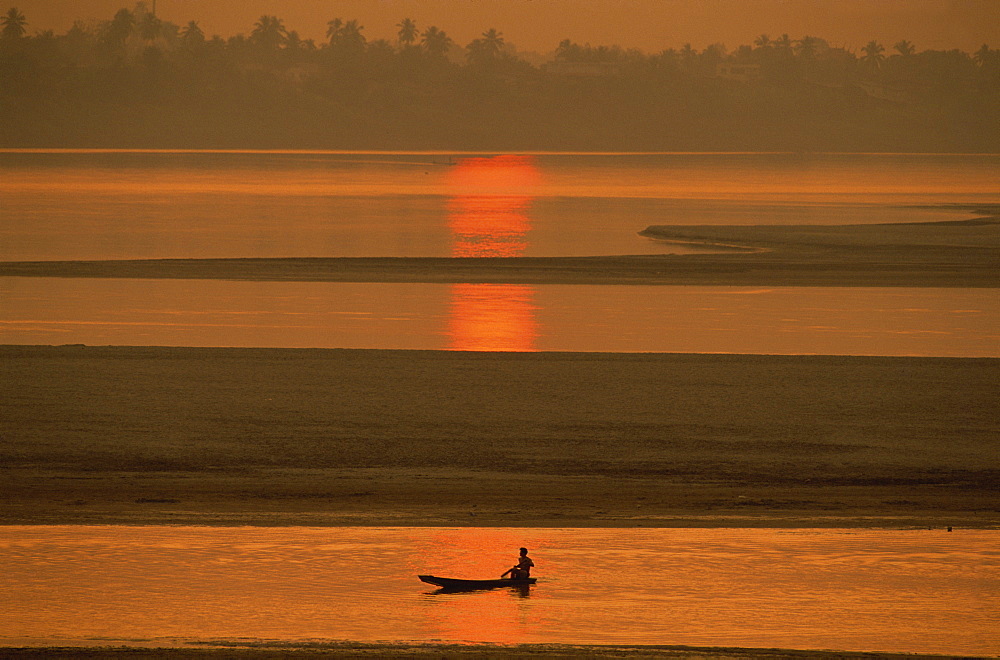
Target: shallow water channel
point(925, 322)
point(928, 591)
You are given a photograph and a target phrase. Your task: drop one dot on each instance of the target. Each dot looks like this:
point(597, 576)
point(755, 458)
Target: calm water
point(790, 320)
point(915, 591)
point(102, 205)
point(84, 205)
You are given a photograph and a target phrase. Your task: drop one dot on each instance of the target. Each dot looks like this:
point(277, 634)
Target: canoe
point(456, 584)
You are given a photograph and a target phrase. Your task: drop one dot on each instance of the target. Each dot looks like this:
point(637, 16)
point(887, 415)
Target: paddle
point(506, 572)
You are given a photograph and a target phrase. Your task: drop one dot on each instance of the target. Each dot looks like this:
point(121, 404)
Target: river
point(920, 591)
point(65, 204)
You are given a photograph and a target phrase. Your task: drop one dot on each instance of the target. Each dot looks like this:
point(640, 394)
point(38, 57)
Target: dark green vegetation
point(336, 437)
point(136, 81)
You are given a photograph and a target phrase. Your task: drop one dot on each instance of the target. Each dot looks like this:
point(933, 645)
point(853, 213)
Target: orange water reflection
point(502, 616)
point(489, 226)
point(916, 591)
point(492, 317)
point(488, 217)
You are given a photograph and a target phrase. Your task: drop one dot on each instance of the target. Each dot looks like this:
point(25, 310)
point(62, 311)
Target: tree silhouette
point(191, 34)
point(13, 24)
point(293, 42)
point(346, 39)
point(269, 33)
point(435, 42)
point(985, 56)
point(407, 32)
point(565, 50)
point(873, 56)
point(688, 55)
point(351, 37)
point(486, 51)
point(333, 29)
point(354, 93)
point(119, 29)
point(150, 27)
point(807, 47)
point(493, 42)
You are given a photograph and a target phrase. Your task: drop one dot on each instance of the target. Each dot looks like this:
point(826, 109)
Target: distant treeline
point(137, 81)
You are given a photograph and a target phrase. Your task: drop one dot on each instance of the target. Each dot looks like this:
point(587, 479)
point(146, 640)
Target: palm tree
point(13, 24)
point(564, 51)
point(984, 55)
point(784, 42)
point(436, 42)
point(492, 42)
point(806, 47)
point(873, 56)
point(486, 51)
point(293, 42)
point(191, 34)
point(119, 29)
point(904, 48)
point(407, 32)
point(269, 33)
point(763, 41)
point(333, 29)
point(150, 27)
point(351, 37)
point(688, 55)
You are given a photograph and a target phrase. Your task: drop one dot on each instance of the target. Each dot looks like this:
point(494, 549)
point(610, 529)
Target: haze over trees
point(134, 80)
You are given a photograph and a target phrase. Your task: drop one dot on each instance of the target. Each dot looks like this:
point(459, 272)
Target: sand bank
point(950, 254)
point(367, 437)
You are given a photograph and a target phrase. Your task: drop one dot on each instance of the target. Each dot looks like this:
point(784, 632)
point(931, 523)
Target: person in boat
point(522, 570)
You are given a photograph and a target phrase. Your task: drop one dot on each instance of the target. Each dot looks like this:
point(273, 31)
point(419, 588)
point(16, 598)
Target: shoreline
point(667, 270)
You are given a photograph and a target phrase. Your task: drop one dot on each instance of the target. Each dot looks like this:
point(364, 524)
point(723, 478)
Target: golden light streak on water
point(488, 217)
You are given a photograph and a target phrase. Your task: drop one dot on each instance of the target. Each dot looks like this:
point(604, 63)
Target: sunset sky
point(539, 25)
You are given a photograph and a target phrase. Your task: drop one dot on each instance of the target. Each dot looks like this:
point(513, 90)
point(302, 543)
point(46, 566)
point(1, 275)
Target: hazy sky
point(651, 25)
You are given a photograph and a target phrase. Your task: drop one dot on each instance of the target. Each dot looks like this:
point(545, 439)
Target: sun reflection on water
point(488, 217)
point(489, 226)
point(503, 616)
point(492, 317)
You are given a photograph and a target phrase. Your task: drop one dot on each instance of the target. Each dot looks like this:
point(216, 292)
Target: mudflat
point(145, 435)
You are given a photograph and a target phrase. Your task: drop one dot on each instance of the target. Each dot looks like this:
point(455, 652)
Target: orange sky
point(539, 25)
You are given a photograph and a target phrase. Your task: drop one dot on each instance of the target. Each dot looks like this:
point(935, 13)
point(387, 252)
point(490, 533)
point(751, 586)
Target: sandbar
point(251, 651)
point(216, 436)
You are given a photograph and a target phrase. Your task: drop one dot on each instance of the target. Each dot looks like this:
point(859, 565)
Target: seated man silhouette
point(522, 570)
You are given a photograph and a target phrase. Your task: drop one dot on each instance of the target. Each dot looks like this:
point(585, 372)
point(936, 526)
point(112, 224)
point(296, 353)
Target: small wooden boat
point(455, 584)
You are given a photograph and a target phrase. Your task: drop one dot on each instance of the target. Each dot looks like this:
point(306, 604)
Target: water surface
point(505, 317)
point(61, 205)
point(921, 591)
point(147, 204)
